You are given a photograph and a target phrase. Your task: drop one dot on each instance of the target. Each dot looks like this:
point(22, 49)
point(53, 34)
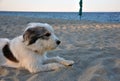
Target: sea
point(90, 16)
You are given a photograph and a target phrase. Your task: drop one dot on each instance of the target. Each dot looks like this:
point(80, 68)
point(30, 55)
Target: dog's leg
point(45, 67)
point(59, 60)
point(10, 64)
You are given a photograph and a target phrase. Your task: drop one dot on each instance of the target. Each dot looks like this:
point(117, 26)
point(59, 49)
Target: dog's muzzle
point(58, 42)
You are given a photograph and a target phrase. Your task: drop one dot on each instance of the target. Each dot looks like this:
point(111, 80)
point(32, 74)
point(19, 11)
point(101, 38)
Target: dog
point(29, 50)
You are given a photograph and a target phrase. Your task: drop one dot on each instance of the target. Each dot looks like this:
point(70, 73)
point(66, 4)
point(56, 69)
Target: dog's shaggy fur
point(29, 50)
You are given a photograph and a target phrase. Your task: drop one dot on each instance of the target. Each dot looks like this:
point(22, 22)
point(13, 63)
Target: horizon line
point(54, 11)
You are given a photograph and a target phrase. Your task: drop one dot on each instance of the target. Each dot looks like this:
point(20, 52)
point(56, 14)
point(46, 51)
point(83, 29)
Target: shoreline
point(52, 20)
point(95, 16)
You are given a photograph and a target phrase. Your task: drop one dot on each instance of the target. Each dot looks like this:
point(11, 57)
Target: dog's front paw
point(56, 66)
point(68, 62)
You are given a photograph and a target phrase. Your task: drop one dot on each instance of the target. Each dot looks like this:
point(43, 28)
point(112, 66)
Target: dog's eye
point(47, 34)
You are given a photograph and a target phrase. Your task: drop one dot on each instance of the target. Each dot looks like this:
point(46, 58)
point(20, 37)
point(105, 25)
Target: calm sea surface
point(93, 16)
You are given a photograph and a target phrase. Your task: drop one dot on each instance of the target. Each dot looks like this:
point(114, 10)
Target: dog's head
point(40, 37)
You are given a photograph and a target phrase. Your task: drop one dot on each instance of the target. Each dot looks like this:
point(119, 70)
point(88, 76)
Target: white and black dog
point(29, 50)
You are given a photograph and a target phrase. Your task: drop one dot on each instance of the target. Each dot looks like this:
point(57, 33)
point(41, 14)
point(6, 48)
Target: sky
point(60, 5)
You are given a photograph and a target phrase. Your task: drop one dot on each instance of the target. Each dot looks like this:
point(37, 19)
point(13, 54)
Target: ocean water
point(92, 16)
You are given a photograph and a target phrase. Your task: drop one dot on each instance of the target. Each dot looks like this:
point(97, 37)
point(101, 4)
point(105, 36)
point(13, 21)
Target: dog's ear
point(32, 34)
point(26, 36)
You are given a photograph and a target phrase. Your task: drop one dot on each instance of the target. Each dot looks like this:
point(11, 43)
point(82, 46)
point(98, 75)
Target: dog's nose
point(58, 42)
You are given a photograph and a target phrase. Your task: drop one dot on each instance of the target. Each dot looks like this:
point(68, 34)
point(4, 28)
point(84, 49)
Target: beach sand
point(95, 48)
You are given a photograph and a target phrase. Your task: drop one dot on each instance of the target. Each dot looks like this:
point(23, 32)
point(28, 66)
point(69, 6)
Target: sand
point(95, 48)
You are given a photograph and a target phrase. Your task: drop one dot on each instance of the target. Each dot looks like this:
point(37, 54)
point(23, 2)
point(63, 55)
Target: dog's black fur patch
point(8, 54)
point(33, 34)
